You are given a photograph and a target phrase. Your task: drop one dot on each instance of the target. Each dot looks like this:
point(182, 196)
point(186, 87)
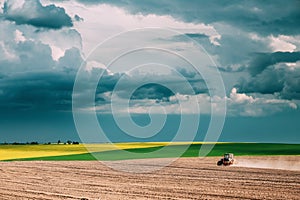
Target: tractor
point(226, 160)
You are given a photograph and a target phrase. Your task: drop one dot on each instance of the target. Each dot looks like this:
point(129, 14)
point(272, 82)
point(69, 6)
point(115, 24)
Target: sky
point(129, 70)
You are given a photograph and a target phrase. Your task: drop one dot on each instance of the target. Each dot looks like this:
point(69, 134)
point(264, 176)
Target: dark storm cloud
point(235, 50)
point(194, 80)
point(291, 88)
point(107, 82)
point(161, 92)
point(280, 81)
point(35, 14)
point(188, 74)
point(152, 91)
point(78, 18)
point(261, 61)
point(32, 80)
point(36, 91)
point(254, 16)
point(196, 35)
point(52, 90)
point(270, 75)
point(187, 36)
point(268, 82)
point(35, 81)
point(229, 69)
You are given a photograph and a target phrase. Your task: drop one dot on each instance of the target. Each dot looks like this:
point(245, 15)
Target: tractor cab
point(228, 156)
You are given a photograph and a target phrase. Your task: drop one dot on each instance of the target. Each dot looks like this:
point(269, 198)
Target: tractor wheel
point(220, 162)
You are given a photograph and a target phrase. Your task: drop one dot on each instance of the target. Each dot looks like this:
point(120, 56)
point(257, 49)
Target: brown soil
point(187, 178)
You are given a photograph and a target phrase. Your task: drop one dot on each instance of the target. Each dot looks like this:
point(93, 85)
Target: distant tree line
point(20, 143)
point(68, 142)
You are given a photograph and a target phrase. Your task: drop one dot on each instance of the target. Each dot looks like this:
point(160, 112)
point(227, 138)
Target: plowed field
point(187, 178)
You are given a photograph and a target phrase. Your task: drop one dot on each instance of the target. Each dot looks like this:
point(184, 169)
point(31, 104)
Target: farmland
point(138, 150)
point(71, 172)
